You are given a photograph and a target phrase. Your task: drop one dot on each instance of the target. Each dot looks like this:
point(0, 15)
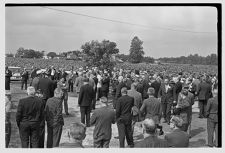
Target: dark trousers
point(7, 134)
point(202, 107)
point(125, 131)
point(85, 114)
point(29, 134)
point(24, 82)
point(42, 137)
point(70, 86)
point(54, 136)
point(7, 83)
point(101, 143)
point(65, 100)
point(99, 93)
point(211, 128)
point(166, 109)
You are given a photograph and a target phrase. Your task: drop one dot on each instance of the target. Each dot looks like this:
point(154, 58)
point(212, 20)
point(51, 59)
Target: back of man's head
point(151, 91)
point(149, 126)
point(77, 131)
point(30, 90)
point(124, 91)
point(134, 85)
point(58, 93)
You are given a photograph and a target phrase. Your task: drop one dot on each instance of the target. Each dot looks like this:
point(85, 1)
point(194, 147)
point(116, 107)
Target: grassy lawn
point(199, 133)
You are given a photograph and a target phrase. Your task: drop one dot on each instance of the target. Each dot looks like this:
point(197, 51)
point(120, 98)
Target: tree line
point(192, 59)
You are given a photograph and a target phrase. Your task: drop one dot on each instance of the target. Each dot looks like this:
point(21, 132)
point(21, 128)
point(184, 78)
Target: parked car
point(16, 76)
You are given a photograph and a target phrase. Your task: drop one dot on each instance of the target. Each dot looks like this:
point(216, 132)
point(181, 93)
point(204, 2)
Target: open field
point(199, 133)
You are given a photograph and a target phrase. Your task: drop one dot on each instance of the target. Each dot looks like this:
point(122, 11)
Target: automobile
point(16, 76)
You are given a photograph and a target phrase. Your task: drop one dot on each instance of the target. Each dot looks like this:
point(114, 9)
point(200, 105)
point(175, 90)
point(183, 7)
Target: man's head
point(58, 93)
point(104, 100)
point(151, 91)
point(134, 85)
point(166, 81)
point(124, 91)
point(149, 126)
point(86, 80)
point(30, 90)
point(77, 131)
point(176, 122)
point(120, 78)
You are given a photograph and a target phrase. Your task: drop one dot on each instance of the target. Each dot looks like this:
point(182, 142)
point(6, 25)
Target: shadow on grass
point(197, 143)
point(197, 131)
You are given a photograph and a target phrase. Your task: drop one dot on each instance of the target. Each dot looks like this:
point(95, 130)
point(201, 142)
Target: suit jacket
point(166, 97)
point(204, 91)
point(177, 139)
point(105, 84)
point(212, 109)
point(152, 109)
point(25, 75)
point(123, 109)
point(30, 109)
point(156, 86)
point(177, 90)
point(137, 97)
point(78, 83)
point(86, 95)
point(47, 87)
point(151, 142)
point(103, 119)
point(118, 89)
point(53, 112)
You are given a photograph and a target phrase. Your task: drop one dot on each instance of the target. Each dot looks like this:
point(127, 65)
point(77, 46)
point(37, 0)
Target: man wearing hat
point(25, 77)
point(8, 75)
point(103, 118)
point(85, 99)
point(8, 105)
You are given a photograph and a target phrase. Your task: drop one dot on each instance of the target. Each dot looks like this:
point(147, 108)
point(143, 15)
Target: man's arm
point(142, 109)
point(19, 113)
point(118, 109)
point(80, 95)
point(160, 92)
point(208, 107)
point(93, 119)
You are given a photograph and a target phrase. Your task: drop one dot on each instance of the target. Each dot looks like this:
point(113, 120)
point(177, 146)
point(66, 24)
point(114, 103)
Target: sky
point(41, 29)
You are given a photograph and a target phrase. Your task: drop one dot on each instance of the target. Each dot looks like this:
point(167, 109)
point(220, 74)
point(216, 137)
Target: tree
point(52, 54)
point(99, 53)
point(136, 50)
point(28, 53)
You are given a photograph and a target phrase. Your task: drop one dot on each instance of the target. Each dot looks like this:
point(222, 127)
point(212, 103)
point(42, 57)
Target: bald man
point(151, 139)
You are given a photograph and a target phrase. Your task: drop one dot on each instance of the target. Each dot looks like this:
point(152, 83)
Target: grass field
point(199, 133)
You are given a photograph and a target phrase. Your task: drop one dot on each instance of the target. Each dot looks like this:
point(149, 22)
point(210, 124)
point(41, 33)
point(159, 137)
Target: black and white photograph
point(113, 75)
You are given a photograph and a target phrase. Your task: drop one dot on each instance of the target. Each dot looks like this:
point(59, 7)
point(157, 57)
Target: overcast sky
point(43, 29)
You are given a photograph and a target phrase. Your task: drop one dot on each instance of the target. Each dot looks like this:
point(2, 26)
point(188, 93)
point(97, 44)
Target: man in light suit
point(212, 119)
point(204, 93)
point(137, 103)
point(166, 94)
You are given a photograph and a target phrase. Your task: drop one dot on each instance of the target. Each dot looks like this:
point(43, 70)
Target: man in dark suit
point(166, 94)
point(8, 75)
point(204, 93)
point(25, 77)
point(103, 118)
point(124, 118)
point(105, 85)
point(177, 88)
point(156, 85)
point(85, 101)
point(177, 138)
point(96, 82)
point(28, 117)
point(118, 90)
point(76, 134)
point(151, 140)
point(47, 87)
point(212, 119)
point(54, 118)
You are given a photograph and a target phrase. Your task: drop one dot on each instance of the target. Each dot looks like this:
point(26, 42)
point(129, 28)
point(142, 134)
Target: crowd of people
point(137, 96)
